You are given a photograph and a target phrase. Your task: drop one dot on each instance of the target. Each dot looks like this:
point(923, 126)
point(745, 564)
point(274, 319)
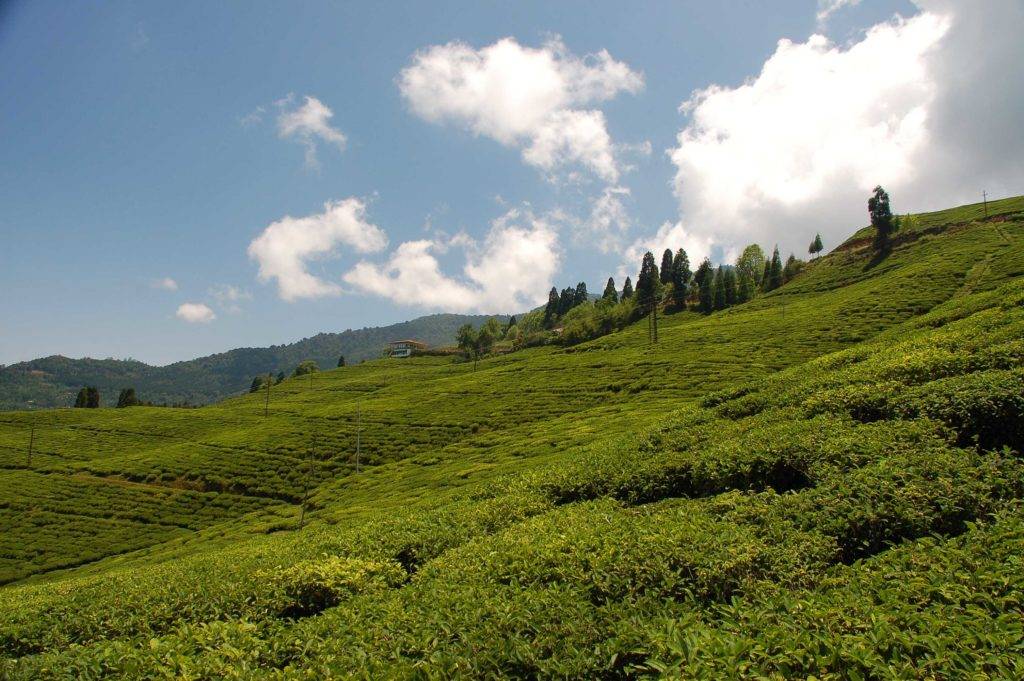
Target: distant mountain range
point(55, 381)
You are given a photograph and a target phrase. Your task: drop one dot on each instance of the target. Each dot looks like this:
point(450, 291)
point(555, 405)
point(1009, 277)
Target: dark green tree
point(681, 276)
point(467, 339)
point(83, 399)
point(280, 377)
point(766, 275)
point(341, 361)
point(706, 289)
point(746, 288)
point(487, 336)
point(729, 285)
point(881, 218)
point(718, 290)
point(666, 266)
point(627, 289)
point(551, 310)
point(610, 293)
point(816, 246)
point(775, 271)
point(648, 283)
point(92, 397)
point(127, 398)
point(581, 294)
point(511, 322)
point(705, 272)
point(792, 268)
point(306, 367)
point(566, 300)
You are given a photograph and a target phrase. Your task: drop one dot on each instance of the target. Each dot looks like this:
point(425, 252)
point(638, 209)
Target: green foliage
point(127, 398)
point(306, 367)
point(610, 293)
point(648, 283)
point(774, 273)
point(816, 246)
point(881, 218)
point(792, 268)
point(666, 266)
point(680, 279)
point(627, 289)
point(751, 263)
point(312, 586)
point(719, 291)
point(823, 482)
point(54, 381)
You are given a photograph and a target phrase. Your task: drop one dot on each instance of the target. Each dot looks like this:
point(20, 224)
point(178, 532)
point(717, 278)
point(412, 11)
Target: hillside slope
point(55, 381)
point(824, 481)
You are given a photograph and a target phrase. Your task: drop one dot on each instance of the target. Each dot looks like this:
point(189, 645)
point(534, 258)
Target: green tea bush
point(312, 586)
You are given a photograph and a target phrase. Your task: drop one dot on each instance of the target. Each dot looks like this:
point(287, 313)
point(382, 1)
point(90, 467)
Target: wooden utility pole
point(31, 441)
point(266, 406)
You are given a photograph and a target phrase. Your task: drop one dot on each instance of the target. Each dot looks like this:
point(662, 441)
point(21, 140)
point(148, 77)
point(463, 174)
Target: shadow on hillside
point(878, 258)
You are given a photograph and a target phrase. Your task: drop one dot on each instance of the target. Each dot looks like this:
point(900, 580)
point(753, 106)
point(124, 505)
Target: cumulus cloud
point(912, 105)
point(608, 222)
point(285, 247)
point(195, 313)
point(670, 235)
point(167, 284)
point(510, 271)
point(308, 123)
point(538, 100)
point(228, 297)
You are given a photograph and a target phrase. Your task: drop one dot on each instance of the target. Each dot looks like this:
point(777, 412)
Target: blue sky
point(148, 173)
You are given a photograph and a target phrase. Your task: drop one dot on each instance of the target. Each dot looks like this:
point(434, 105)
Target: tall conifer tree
point(681, 276)
point(775, 271)
point(666, 266)
point(609, 291)
point(718, 290)
point(729, 284)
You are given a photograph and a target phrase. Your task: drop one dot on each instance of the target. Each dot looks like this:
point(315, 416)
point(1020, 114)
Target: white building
point(404, 348)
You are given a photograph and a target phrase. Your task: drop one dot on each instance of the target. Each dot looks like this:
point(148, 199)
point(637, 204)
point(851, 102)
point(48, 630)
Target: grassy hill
point(825, 481)
point(55, 381)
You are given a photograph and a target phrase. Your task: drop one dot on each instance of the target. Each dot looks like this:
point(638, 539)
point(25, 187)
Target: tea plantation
point(824, 482)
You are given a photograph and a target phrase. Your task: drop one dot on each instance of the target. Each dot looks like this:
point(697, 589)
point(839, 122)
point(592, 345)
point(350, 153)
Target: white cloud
point(670, 235)
point(252, 118)
point(284, 248)
point(167, 284)
point(533, 99)
point(609, 221)
point(913, 105)
point(195, 313)
point(307, 123)
point(826, 8)
point(228, 297)
point(510, 271)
